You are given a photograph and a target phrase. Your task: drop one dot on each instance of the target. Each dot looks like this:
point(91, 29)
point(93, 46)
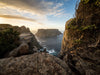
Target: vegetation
point(88, 27)
point(72, 25)
point(9, 39)
point(78, 41)
point(95, 2)
point(85, 1)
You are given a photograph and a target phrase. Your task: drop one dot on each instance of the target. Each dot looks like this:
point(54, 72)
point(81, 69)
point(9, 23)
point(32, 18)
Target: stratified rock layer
point(35, 64)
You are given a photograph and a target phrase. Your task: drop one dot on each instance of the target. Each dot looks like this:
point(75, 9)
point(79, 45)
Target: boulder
point(30, 39)
point(21, 50)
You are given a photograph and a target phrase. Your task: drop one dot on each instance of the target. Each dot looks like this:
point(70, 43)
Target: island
point(47, 33)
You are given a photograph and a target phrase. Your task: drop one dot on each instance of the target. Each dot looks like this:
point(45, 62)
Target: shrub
point(85, 1)
point(9, 39)
point(95, 2)
point(81, 28)
point(72, 24)
point(89, 27)
point(78, 41)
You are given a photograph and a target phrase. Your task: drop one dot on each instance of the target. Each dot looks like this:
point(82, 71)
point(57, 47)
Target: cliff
point(47, 33)
point(27, 41)
point(21, 29)
point(81, 40)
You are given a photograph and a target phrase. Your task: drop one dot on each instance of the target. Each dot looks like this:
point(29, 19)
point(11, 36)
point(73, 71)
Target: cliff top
point(21, 29)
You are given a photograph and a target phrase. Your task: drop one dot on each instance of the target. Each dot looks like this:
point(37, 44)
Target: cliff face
point(47, 33)
point(81, 40)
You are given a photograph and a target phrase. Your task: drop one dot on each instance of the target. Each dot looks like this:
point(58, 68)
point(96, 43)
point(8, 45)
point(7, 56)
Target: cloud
point(19, 17)
point(36, 7)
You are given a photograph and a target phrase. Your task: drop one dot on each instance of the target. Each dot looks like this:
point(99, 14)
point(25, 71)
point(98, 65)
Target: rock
point(27, 41)
point(34, 64)
point(81, 40)
point(35, 49)
point(21, 29)
point(28, 45)
point(21, 50)
point(90, 72)
point(30, 39)
point(47, 33)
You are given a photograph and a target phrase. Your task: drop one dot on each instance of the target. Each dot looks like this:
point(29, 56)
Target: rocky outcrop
point(21, 50)
point(47, 33)
point(21, 29)
point(34, 64)
point(81, 40)
point(27, 41)
point(30, 39)
point(28, 45)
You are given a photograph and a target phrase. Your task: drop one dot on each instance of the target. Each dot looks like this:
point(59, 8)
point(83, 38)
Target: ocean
point(52, 45)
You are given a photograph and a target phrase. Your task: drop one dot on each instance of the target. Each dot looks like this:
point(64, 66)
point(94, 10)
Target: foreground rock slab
point(34, 64)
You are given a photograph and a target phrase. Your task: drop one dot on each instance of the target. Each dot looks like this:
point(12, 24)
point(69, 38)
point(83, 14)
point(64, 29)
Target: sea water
point(52, 45)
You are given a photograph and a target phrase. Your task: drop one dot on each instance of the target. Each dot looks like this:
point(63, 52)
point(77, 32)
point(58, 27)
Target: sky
point(37, 14)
